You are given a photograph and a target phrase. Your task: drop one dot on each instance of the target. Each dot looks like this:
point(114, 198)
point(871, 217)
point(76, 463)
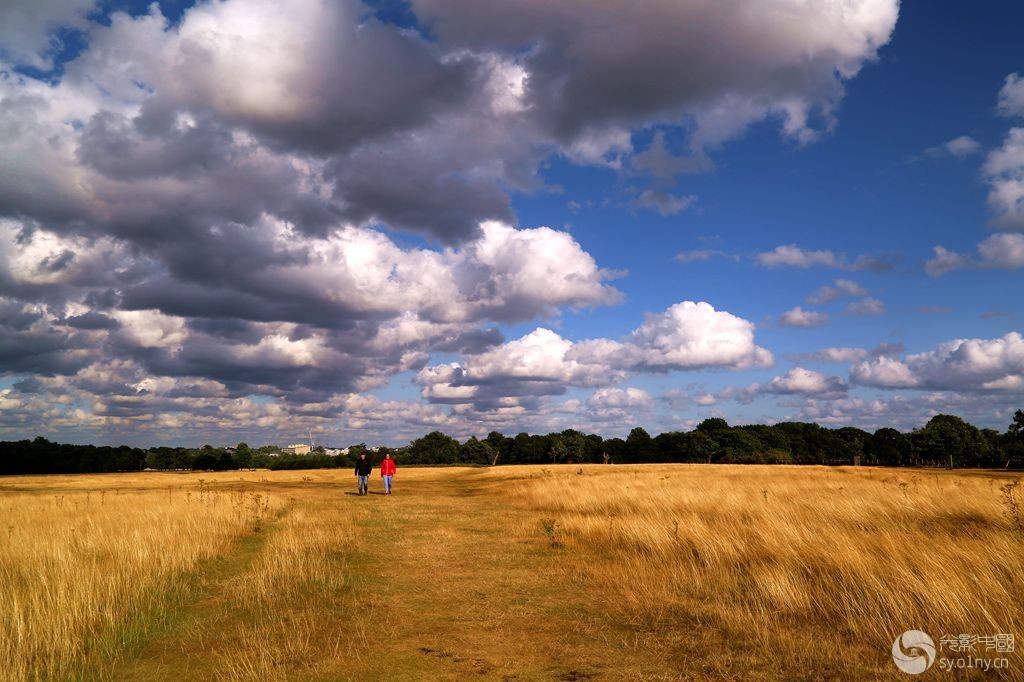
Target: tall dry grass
point(806, 563)
point(84, 573)
point(287, 601)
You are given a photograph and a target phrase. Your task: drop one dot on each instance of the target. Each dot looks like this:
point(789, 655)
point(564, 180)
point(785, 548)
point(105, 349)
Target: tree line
point(946, 440)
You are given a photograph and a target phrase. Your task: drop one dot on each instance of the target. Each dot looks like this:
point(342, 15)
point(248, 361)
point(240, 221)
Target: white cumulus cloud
point(1003, 250)
point(1004, 170)
point(958, 365)
point(687, 336)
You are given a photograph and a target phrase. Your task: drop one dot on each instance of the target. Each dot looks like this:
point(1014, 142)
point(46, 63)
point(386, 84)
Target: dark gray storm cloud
point(92, 320)
point(28, 345)
point(624, 64)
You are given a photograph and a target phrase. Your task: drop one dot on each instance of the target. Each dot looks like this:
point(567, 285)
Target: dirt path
point(438, 581)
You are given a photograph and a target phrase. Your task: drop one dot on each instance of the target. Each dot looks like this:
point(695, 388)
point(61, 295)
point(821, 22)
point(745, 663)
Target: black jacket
point(364, 467)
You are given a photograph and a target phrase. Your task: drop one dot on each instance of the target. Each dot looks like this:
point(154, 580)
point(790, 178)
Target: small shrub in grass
point(550, 527)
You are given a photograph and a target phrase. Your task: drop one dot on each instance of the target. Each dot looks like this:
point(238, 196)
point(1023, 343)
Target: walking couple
point(364, 467)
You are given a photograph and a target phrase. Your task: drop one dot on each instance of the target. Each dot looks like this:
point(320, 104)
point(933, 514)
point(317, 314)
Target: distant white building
point(334, 452)
point(296, 449)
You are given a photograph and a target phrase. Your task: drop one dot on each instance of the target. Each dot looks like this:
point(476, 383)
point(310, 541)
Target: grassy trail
point(654, 572)
point(434, 582)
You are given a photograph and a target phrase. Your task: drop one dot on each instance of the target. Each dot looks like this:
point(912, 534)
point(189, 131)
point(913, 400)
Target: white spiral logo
point(916, 654)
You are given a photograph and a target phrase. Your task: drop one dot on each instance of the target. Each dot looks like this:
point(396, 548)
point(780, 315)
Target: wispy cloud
point(793, 256)
point(798, 317)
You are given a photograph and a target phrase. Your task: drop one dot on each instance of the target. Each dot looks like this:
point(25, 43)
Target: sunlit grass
point(84, 573)
point(558, 572)
point(790, 559)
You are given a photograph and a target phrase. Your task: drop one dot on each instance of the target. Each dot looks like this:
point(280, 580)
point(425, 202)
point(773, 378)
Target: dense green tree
point(433, 448)
point(614, 449)
point(1012, 442)
point(206, 461)
point(639, 446)
point(737, 446)
point(475, 451)
point(712, 424)
point(1016, 428)
point(593, 448)
point(948, 438)
point(527, 449)
point(703, 447)
point(770, 437)
point(243, 456)
point(498, 444)
point(672, 446)
point(558, 453)
point(575, 445)
point(856, 438)
point(888, 447)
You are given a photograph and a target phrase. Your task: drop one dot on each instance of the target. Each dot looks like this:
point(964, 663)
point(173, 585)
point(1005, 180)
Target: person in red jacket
point(387, 470)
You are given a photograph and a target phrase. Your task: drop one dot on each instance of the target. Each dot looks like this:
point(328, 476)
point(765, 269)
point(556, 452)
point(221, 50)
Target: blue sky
point(249, 219)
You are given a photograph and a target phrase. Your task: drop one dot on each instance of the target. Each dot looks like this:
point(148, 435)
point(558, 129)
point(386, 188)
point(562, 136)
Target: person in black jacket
point(363, 470)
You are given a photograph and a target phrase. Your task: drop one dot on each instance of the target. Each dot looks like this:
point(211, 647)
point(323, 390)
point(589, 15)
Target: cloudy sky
point(250, 219)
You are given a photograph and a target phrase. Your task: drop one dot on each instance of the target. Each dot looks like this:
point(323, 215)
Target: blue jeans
point(387, 483)
point(364, 484)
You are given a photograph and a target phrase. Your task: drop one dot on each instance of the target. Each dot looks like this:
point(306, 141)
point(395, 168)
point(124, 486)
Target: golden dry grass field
point(649, 572)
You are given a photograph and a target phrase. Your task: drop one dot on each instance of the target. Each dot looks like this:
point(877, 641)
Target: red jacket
point(387, 467)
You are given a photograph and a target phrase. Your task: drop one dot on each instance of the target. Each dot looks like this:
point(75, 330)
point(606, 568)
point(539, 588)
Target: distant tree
point(475, 451)
point(1016, 428)
point(943, 438)
point(949, 438)
point(712, 424)
point(575, 445)
point(527, 449)
point(702, 447)
point(809, 444)
point(243, 456)
point(497, 442)
point(1013, 442)
point(614, 449)
point(225, 462)
point(855, 438)
point(593, 448)
point(558, 452)
point(183, 458)
point(672, 446)
point(434, 448)
point(737, 446)
point(639, 445)
point(206, 461)
point(160, 458)
point(888, 447)
point(771, 438)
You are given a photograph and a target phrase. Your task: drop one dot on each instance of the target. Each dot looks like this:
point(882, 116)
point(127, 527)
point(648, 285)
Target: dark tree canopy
point(946, 440)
